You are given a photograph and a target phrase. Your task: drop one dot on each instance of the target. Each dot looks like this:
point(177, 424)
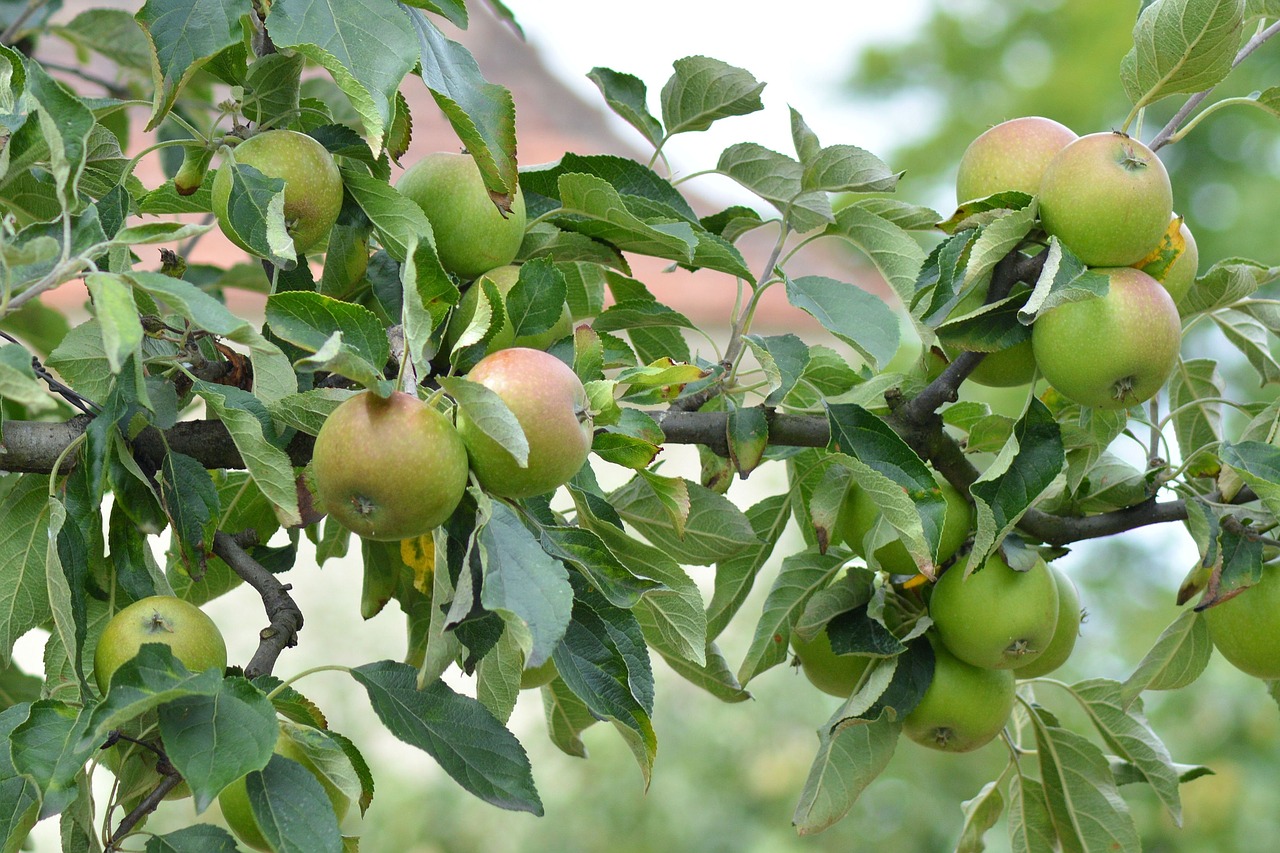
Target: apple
point(859, 512)
point(1246, 627)
point(1107, 197)
point(192, 636)
point(1175, 261)
point(389, 468)
point(548, 400)
point(1064, 635)
point(1113, 351)
point(1010, 156)
point(831, 673)
point(1006, 368)
point(964, 706)
point(996, 618)
point(472, 235)
point(504, 278)
point(234, 799)
point(312, 184)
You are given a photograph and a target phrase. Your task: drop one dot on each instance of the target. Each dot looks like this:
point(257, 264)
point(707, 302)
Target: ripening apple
point(504, 278)
point(1175, 261)
point(312, 184)
point(1108, 198)
point(997, 618)
point(192, 637)
point(389, 468)
point(472, 235)
point(1010, 156)
point(1113, 351)
point(550, 403)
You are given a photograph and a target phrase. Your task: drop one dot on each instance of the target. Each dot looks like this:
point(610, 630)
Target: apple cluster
point(1107, 199)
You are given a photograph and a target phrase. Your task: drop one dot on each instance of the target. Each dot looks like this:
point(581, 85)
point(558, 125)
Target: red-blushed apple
point(1010, 156)
point(1112, 351)
point(550, 403)
point(1108, 198)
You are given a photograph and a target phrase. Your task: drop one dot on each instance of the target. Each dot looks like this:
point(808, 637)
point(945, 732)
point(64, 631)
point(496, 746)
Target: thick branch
point(284, 615)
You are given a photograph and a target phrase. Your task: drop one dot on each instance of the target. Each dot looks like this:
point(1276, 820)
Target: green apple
point(1064, 635)
point(1175, 261)
point(964, 706)
point(192, 636)
point(831, 673)
point(1108, 198)
point(859, 513)
point(550, 403)
point(1010, 156)
point(504, 278)
point(997, 618)
point(1113, 351)
point(312, 184)
point(472, 235)
point(389, 468)
point(1006, 368)
point(1246, 627)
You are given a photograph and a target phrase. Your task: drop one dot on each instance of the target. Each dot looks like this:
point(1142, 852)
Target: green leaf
point(846, 168)
point(185, 34)
point(1129, 735)
point(255, 212)
point(1181, 47)
point(704, 90)
point(713, 529)
point(18, 382)
point(1252, 338)
point(24, 538)
point(999, 237)
point(603, 660)
point(1064, 278)
point(1084, 804)
point(368, 69)
point(980, 814)
point(307, 320)
point(894, 253)
point(458, 732)
point(490, 414)
point(857, 317)
point(197, 838)
point(1226, 282)
point(1178, 657)
point(567, 717)
point(777, 179)
point(736, 575)
point(1258, 465)
point(1194, 389)
point(66, 124)
point(215, 739)
point(291, 808)
point(482, 113)
point(801, 575)
point(192, 504)
point(523, 584)
point(243, 416)
point(1023, 470)
point(904, 214)
point(1030, 826)
point(49, 747)
point(308, 410)
point(148, 680)
point(851, 754)
point(590, 554)
point(427, 293)
point(627, 96)
point(271, 87)
point(600, 213)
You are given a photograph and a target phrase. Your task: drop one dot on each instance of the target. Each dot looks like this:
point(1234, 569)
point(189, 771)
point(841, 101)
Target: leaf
point(523, 584)
point(458, 732)
point(486, 410)
point(215, 739)
point(1024, 469)
point(1181, 47)
point(197, 838)
point(714, 676)
point(148, 680)
point(712, 530)
point(292, 809)
point(1128, 734)
point(1226, 282)
point(1030, 827)
point(998, 238)
point(800, 577)
point(1258, 465)
point(192, 504)
point(482, 113)
point(1252, 338)
point(736, 575)
point(49, 747)
point(850, 756)
point(776, 178)
point(66, 124)
point(850, 313)
point(626, 95)
point(980, 814)
point(1178, 657)
point(367, 47)
point(24, 538)
point(704, 90)
point(600, 213)
point(536, 302)
point(308, 320)
point(1085, 806)
point(185, 34)
point(1064, 278)
point(269, 465)
point(1194, 389)
point(894, 253)
point(589, 553)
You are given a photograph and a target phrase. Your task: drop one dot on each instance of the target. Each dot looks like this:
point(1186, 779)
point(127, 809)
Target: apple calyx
point(1132, 160)
point(1123, 387)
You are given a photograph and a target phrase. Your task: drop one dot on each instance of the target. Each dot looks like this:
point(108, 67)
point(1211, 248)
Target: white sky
point(803, 50)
